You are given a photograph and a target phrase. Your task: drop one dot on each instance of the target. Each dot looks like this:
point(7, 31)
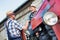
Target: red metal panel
point(56, 29)
point(35, 22)
point(56, 9)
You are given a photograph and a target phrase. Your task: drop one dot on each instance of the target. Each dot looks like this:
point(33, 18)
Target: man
point(33, 13)
point(13, 27)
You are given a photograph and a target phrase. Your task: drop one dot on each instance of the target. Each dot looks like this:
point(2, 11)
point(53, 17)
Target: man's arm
point(26, 26)
point(20, 27)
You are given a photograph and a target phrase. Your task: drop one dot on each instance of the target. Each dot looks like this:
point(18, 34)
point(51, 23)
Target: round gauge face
point(50, 18)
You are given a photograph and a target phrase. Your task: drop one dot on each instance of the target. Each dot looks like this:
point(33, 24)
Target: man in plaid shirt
point(13, 27)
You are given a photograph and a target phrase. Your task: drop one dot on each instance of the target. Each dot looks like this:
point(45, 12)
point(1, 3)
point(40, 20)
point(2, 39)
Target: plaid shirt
point(13, 27)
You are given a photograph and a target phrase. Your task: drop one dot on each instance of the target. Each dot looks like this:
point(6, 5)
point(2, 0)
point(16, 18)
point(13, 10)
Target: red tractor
point(49, 14)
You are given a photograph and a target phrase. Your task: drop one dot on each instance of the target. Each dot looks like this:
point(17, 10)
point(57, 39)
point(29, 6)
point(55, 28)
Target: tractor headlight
point(50, 18)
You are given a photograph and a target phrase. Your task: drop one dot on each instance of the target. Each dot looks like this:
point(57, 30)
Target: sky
point(7, 5)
